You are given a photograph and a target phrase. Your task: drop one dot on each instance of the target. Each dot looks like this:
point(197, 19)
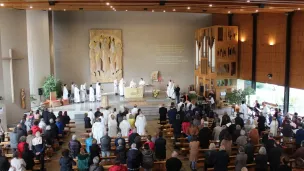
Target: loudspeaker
point(40, 91)
point(201, 89)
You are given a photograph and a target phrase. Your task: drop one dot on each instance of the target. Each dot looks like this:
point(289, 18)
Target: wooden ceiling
point(188, 6)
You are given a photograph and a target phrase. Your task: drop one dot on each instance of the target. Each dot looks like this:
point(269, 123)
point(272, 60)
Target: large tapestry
point(105, 55)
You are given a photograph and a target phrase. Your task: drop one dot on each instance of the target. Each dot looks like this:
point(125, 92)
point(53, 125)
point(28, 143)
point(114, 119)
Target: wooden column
point(287, 61)
point(254, 49)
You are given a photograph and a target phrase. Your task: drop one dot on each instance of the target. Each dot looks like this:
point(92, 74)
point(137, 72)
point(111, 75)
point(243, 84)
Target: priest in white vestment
point(116, 86)
point(134, 110)
point(172, 92)
point(91, 116)
point(106, 114)
point(91, 94)
point(140, 124)
point(244, 110)
point(132, 84)
point(112, 126)
point(169, 87)
point(72, 88)
point(98, 130)
point(124, 127)
point(98, 91)
point(76, 95)
point(274, 126)
point(142, 84)
point(83, 92)
point(121, 87)
point(65, 93)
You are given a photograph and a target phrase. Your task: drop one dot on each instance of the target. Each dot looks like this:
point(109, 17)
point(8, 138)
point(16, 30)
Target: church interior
point(173, 62)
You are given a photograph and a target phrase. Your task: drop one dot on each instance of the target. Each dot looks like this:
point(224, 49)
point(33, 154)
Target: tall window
point(296, 101)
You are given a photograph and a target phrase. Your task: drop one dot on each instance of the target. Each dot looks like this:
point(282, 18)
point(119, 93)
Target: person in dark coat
point(46, 116)
point(177, 128)
point(148, 158)
point(74, 146)
point(241, 159)
point(275, 157)
point(49, 139)
point(232, 127)
point(87, 121)
point(20, 132)
point(172, 113)
point(173, 163)
point(261, 123)
point(97, 114)
point(66, 162)
point(94, 151)
point(160, 147)
point(66, 118)
point(284, 166)
point(236, 133)
point(28, 157)
point(204, 136)
point(225, 119)
point(210, 156)
point(133, 136)
point(261, 160)
point(223, 132)
point(54, 129)
point(269, 144)
point(239, 121)
point(4, 164)
point(162, 113)
point(249, 150)
point(134, 158)
point(121, 152)
point(221, 160)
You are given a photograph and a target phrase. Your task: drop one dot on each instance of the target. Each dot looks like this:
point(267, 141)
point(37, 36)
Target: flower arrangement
point(155, 93)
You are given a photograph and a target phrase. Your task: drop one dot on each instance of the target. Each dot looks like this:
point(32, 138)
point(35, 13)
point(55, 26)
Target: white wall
point(13, 36)
point(142, 33)
point(38, 49)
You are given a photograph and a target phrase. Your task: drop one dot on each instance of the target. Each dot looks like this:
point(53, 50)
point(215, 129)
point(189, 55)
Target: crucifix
point(10, 59)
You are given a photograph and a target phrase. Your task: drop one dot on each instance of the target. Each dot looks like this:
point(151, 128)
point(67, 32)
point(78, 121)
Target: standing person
point(22, 142)
point(244, 110)
point(121, 151)
point(225, 119)
point(172, 113)
point(148, 158)
point(150, 142)
point(18, 163)
point(66, 118)
point(42, 125)
point(91, 94)
point(134, 159)
point(221, 160)
point(76, 95)
point(274, 126)
point(132, 136)
point(299, 136)
point(210, 157)
point(194, 149)
point(91, 116)
point(249, 150)
point(38, 149)
point(241, 159)
point(134, 111)
point(173, 163)
point(66, 162)
point(177, 93)
point(254, 136)
point(239, 121)
point(4, 164)
point(98, 91)
point(105, 143)
point(98, 130)
point(83, 92)
point(124, 127)
point(227, 143)
point(177, 128)
point(140, 124)
point(87, 121)
point(162, 114)
point(89, 142)
point(160, 147)
point(142, 84)
point(115, 82)
point(121, 87)
point(275, 157)
point(96, 166)
point(287, 132)
point(54, 129)
point(74, 146)
point(106, 114)
point(261, 160)
point(65, 91)
point(28, 157)
point(169, 87)
point(112, 126)
point(29, 139)
point(14, 140)
point(284, 166)
point(59, 125)
point(94, 151)
point(242, 139)
point(72, 89)
point(205, 135)
point(261, 123)
point(216, 131)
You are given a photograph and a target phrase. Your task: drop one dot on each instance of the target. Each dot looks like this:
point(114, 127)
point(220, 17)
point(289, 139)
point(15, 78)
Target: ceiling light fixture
point(31, 7)
point(174, 10)
point(188, 8)
point(248, 0)
point(107, 3)
point(64, 10)
point(164, 10)
point(210, 5)
point(111, 6)
point(152, 10)
point(126, 10)
point(299, 8)
point(2, 5)
point(256, 10)
point(229, 12)
point(50, 8)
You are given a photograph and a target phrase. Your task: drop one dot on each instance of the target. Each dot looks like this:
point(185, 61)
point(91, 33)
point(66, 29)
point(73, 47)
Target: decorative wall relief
point(106, 52)
point(23, 96)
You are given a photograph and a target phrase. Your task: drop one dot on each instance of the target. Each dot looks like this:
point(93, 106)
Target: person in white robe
point(132, 84)
point(169, 89)
point(121, 87)
point(65, 93)
point(91, 94)
point(112, 126)
point(83, 92)
point(91, 116)
point(115, 86)
point(172, 92)
point(244, 110)
point(76, 95)
point(140, 124)
point(124, 127)
point(274, 126)
point(98, 130)
point(134, 110)
point(142, 84)
point(106, 114)
point(72, 89)
point(98, 91)
point(42, 125)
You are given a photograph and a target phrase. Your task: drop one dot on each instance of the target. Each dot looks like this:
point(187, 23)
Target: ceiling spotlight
point(188, 8)
point(64, 10)
point(174, 10)
point(126, 10)
point(229, 12)
point(248, 0)
point(299, 8)
point(50, 8)
point(256, 10)
point(31, 7)
point(2, 5)
point(111, 6)
point(152, 10)
point(107, 3)
point(210, 5)
point(164, 10)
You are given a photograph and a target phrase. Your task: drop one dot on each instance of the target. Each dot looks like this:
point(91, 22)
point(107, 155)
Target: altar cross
point(11, 59)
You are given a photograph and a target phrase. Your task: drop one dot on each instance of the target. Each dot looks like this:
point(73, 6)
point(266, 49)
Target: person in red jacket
point(20, 146)
point(35, 128)
point(118, 166)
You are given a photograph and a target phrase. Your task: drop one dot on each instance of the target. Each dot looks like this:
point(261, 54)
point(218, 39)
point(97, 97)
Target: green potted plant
point(51, 84)
point(237, 96)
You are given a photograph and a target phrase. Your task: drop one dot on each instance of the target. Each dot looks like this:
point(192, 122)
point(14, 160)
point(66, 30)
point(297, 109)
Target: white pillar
point(38, 49)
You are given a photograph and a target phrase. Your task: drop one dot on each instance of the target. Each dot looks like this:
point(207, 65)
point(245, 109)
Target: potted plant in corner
point(52, 86)
point(237, 96)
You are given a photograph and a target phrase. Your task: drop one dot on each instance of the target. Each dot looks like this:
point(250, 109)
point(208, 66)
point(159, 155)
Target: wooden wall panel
point(220, 19)
point(244, 22)
point(271, 28)
point(297, 51)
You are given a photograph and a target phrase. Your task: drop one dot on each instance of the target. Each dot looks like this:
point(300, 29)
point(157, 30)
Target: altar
point(134, 92)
